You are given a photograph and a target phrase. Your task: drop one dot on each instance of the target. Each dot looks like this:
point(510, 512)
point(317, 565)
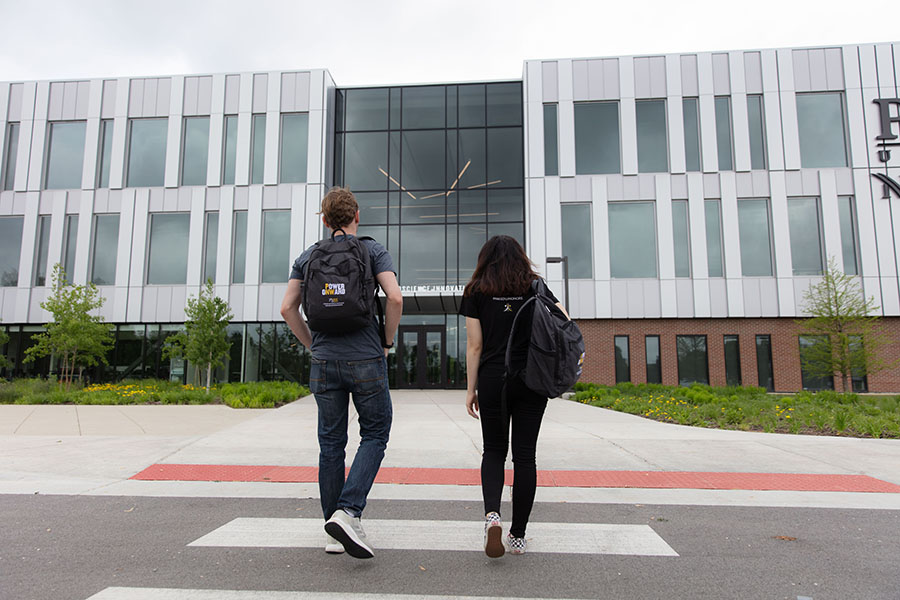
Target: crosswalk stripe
point(557, 538)
point(129, 593)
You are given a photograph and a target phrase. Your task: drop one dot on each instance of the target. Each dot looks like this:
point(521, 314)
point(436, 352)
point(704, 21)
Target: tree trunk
point(208, 376)
point(844, 382)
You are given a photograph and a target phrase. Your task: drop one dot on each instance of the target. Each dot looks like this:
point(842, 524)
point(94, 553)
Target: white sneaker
point(493, 535)
point(332, 546)
point(349, 532)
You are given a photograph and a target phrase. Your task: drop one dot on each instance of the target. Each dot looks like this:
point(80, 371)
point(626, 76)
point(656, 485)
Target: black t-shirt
point(496, 314)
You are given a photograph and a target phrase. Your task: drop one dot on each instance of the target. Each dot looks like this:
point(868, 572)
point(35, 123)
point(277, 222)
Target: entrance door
point(420, 356)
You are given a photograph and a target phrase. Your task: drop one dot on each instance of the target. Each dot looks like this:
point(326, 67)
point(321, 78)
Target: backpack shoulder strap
point(512, 331)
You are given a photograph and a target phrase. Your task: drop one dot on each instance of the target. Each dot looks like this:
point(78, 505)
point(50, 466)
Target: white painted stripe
point(127, 593)
point(557, 538)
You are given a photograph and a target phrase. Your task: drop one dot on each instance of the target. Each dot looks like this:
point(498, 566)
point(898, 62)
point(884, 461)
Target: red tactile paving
point(801, 482)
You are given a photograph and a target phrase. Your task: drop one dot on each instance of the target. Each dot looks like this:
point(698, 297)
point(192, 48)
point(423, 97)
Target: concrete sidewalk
point(97, 449)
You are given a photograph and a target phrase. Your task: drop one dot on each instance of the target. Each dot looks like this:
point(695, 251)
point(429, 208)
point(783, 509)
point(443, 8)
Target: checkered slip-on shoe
point(516, 544)
point(493, 535)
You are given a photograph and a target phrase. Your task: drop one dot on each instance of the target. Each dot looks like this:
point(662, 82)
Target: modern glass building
point(694, 198)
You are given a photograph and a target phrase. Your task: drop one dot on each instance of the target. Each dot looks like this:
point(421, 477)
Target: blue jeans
point(332, 382)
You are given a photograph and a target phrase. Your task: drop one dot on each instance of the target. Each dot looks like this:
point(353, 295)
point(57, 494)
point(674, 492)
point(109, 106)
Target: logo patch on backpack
point(334, 289)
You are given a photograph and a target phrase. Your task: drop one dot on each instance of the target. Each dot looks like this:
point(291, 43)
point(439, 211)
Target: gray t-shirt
point(355, 345)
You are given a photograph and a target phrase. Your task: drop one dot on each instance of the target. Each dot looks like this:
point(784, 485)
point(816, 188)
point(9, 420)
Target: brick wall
point(599, 364)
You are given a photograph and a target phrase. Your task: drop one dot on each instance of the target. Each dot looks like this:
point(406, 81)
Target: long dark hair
point(503, 269)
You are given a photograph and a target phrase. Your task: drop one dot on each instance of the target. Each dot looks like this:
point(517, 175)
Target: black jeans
point(525, 409)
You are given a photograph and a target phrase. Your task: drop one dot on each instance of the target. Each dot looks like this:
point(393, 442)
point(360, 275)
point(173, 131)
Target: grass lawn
point(262, 394)
point(752, 409)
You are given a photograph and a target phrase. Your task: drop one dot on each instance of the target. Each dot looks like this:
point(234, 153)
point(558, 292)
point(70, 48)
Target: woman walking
point(501, 283)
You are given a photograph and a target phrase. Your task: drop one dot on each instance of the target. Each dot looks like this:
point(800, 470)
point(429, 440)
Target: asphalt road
point(72, 547)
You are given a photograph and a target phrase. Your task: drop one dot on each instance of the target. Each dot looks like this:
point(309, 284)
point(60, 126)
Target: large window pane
point(421, 259)
point(106, 245)
point(239, 250)
point(195, 151)
point(65, 155)
point(623, 362)
point(229, 152)
point(168, 248)
point(504, 104)
point(276, 246)
point(366, 162)
point(147, 152)
point(732, 360)
point(847, 214)
point(681, 237)
point(258, 154)
point(505, 163)
point(513, 230)
point(551, 140)
point(654, 364)
point(693, 364)
point(756, 247)
point(472, 167)
point(505, 205)
point(10, 152)
point(576, 239)
point(691, 134)
point(69, 246)
point(471, 105)
point(424, 107)
point(652, 140)
point(811, 346)
point(294, 147)
point(632, 239)
point(723, 133)
point(806, 239)
point(10, 248)
point(757, 131)
point(423, 160)
point(210, 246)
point(366, 109)
point(597, 138)
point(43, 249)
point(373, 207)
point(714, 238)
point(471, 238)
point(820, 124)
point(765, 375)
point(105, 153)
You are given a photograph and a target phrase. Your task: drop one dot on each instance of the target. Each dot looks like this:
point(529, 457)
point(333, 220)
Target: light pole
point(565, 264)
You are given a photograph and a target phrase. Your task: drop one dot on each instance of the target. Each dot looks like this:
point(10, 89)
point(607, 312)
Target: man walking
point(348, 358)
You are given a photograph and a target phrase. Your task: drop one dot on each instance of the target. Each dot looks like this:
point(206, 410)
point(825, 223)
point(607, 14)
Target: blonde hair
point(339, 207)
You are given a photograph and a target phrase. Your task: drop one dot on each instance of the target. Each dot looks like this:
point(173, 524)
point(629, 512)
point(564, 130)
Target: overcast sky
point(401, 41)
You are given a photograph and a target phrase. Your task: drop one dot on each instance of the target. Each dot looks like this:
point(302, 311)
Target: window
point(106, 244)
point(239, 251)
point(654, 364)
point(576, 242)
point(10, 152)
point(820, 124)
point(421, 259)
point(723, 133)
point(43, 250)
point(806, 238)
point(65, 156)
point(691, 117)
point(258, 156)
point(195, 151)
point(169, 234)
point(859, 381)
point(732, 360)
point(70, 245)
point(147, 152)
point(813, 348)
point(597, 138)
point(551, 140)
point(229, 150)
point(294, 147)
point(681, 236)
point(623, 363)
point(632, 239)
point(764, 362)
point(693, 366)
point(755, 237)
point(10, 247)
point(847, 216)
point(366, 109)
point(757, 131)
point(276, 246)
point(653, 147)
point(210, 246)
point(714, 257)
point(105, 150)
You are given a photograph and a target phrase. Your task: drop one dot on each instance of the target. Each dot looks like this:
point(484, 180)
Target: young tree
point(74, 336)
point(4, 339)
point(203, 342)
point(844, 339)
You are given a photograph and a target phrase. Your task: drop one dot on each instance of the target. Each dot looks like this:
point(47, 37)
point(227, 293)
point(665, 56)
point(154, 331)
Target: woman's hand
point(472, 404)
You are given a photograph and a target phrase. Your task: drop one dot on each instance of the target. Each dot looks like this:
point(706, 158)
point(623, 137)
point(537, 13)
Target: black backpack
point(555, 346)
point(339, 288)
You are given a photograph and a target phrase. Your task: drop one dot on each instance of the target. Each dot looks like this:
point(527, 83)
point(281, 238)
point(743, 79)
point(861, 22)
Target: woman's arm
point(473, 357)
